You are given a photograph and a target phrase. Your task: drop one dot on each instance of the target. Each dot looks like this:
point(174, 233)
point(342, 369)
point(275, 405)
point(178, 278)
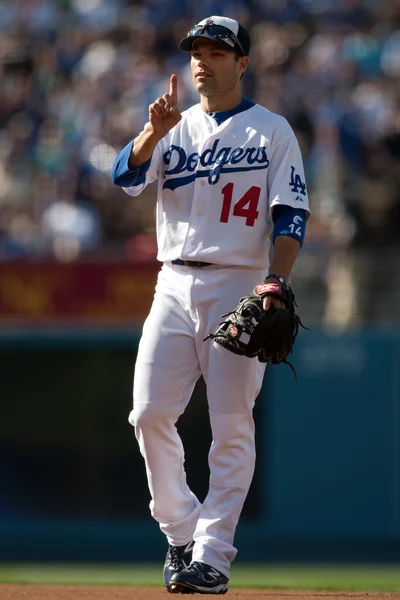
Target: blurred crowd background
point(77, 77)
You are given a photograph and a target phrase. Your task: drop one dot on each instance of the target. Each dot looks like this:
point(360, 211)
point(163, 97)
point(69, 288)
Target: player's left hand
point(268, 335)
point(269, 301)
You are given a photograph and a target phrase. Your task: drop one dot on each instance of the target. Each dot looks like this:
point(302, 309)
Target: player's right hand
point(164, 112)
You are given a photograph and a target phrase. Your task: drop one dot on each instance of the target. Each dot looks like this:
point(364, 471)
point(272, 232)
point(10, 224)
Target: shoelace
point(175, 558)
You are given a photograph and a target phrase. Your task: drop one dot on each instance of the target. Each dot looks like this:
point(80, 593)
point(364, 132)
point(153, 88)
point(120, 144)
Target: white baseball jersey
point(218, 183)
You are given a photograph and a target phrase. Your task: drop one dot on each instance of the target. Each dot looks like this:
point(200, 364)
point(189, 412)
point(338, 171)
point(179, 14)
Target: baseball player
point(230, 180)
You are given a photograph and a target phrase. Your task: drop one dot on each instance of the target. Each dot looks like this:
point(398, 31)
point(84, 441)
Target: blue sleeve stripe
point(289, 221)
point(122, 175)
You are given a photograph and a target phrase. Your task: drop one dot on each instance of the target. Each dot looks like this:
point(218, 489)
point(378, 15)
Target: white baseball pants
point(187, 306)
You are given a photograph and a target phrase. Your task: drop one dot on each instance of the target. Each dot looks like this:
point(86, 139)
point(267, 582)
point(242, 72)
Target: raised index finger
point(173, 89)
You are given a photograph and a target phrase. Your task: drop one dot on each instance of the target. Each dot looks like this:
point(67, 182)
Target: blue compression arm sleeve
point(289, 221)
point(122, 175)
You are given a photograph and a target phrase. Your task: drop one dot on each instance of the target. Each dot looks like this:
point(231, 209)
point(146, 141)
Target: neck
point(220, 103)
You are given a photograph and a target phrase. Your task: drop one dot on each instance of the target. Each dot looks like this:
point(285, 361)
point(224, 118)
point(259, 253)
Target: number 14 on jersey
point(245, 207)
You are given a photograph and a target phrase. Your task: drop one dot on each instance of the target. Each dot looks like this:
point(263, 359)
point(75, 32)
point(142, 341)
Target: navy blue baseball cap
point(225, 32)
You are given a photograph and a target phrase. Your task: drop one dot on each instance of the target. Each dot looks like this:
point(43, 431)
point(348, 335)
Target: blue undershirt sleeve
point(289, 221)
point(122, 175)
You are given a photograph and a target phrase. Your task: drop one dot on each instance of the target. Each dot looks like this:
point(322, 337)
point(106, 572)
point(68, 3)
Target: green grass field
point(346, 578)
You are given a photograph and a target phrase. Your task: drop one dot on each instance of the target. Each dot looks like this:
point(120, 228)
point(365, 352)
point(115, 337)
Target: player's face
point(215, 71)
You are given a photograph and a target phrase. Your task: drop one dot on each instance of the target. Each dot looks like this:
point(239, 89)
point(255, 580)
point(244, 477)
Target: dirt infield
point(57, 592)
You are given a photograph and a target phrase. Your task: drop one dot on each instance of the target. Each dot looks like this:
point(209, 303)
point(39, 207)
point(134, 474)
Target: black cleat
point(198, 578)
point(177, 559)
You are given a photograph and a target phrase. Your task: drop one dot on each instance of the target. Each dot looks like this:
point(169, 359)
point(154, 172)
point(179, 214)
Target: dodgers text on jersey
point(215, 158)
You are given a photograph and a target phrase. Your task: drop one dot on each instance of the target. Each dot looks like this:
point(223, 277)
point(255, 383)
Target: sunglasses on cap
point(218, 32)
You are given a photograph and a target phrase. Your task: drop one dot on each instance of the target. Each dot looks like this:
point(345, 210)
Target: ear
point(243, 63)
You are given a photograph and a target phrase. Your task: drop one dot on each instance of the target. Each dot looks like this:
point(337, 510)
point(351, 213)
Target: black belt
point(191, 263)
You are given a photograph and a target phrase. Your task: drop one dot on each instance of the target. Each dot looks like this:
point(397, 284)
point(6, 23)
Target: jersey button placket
point(191, 232)
point(197, 202)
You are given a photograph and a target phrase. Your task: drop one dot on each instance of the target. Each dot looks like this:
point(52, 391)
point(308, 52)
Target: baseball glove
point(253, 332)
